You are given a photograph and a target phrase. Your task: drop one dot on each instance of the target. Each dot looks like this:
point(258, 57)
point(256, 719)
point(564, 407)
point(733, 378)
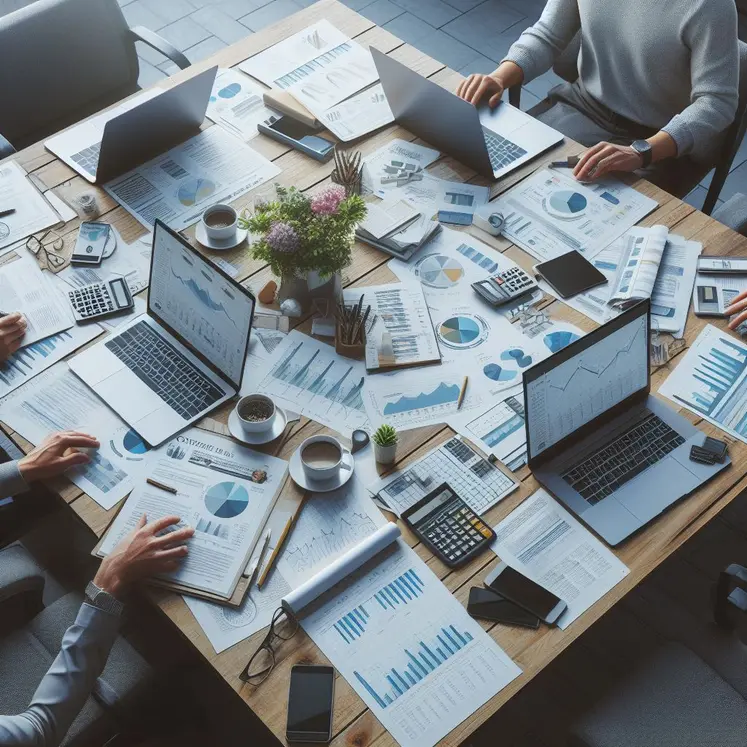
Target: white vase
point(385, 454)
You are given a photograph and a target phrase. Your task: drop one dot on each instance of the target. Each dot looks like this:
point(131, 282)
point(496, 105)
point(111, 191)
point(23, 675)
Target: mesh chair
point(63, 60)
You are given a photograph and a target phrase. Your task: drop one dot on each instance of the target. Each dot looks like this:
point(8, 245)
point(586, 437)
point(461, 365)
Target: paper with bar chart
point(307, 376)
point(408, 648)
point(710, 381)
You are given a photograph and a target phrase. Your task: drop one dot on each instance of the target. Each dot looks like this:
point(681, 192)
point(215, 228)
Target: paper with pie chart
point(213, 166)
point(551, 213)
point(224, 491)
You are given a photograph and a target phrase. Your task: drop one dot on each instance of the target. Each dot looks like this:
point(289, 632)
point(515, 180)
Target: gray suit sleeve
point(11, 480)
point(63, 692)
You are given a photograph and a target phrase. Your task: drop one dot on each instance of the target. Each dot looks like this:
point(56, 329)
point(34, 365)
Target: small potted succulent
point(385, 444)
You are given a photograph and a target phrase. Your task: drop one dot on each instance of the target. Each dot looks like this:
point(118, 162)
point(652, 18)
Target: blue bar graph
point(353, 625)
point(403, 590)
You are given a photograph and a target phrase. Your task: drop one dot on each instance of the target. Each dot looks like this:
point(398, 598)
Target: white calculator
point(100, 299)
point(506, 286)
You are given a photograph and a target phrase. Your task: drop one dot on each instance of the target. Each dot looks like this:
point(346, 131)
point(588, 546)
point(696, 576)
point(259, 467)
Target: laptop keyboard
point(88, 158)
point(600, 474)
point(501, 151)
point(165, 370)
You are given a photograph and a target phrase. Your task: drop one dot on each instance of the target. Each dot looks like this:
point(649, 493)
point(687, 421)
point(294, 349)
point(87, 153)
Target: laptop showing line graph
point(609, 450)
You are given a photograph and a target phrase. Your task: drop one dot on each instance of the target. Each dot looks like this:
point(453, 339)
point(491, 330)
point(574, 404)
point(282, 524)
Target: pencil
point(161, 486)
point(276, 551)
point(462, 392)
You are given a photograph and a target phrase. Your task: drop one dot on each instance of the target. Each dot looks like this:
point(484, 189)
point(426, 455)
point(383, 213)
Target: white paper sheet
point(394, 159)
point(236, 103)
point(262, 344)
point(711, 381)
point(213, 166)
point(32, 212)
point(26, 288)
point(548, 545)
point(225, 491)
point(408, 648)
point(57, 400)
point(359, 115)
point(549, 213)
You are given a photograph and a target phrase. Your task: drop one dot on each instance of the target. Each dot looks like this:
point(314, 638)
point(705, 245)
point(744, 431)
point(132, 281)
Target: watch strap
point(644, 149)
point(103, 600)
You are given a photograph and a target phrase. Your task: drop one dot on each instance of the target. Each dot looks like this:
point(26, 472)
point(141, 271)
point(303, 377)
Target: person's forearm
point(662, 146)
point(11, 480)
point(509, 74)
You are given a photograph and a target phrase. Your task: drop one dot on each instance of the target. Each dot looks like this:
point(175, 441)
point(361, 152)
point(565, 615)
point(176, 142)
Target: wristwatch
point(103, 600)
point(644, 149)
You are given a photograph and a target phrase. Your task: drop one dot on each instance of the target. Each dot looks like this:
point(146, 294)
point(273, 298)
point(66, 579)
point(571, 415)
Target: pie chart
point(496, 372)
point(439, 271)
point(195, 190)
point(133, 443)
point(229, 91)
point(558, 340)
point(226, 500)
point(566, 204)
point(463, 331)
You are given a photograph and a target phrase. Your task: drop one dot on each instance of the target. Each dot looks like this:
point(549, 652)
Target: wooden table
point(532, 650)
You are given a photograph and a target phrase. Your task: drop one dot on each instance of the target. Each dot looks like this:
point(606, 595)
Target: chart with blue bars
point(417, 663)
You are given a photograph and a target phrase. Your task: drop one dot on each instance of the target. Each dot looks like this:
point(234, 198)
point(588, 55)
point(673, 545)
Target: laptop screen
point(209, 312)
point(586, 380)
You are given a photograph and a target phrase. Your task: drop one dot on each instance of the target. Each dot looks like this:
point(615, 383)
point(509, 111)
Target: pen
point(160, 485)
point(462, 392)
point(273, 557)
point(9, 211)
point(253, 566)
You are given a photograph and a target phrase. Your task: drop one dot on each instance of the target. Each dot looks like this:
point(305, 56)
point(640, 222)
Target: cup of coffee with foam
point(220, 221)
point(256, 413)
point(322, 457)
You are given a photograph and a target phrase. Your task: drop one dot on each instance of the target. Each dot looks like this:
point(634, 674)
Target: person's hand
point(143, 553)
point(477, 87)
point(12, 330)
point(738, 307)
point(604, 158)
point(56, 453)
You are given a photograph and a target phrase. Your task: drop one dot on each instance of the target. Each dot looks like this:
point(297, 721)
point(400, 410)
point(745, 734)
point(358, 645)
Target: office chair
point(693, 691)
point(567, 68)
point(63, 60)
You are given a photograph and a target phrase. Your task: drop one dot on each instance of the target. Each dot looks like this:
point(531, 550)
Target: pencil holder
point(356, 351)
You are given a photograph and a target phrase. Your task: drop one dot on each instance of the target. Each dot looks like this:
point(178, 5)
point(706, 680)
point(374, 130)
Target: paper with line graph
point(710, 381)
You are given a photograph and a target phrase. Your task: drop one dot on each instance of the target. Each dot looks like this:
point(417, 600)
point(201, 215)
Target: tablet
point(570, 274)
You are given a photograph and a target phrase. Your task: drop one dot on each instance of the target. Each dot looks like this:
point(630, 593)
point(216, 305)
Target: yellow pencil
point(462, 392)
point(276, 551)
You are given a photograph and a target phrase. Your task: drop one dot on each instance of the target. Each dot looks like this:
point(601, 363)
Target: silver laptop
point(145, 126)
point(490, 141)
point(169, 367)
point(599, 441)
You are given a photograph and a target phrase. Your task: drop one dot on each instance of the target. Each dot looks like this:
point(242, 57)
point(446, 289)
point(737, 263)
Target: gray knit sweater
point(672, 65)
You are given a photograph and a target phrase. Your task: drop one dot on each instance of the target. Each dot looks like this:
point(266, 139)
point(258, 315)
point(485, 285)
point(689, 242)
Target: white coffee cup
point(258, 402)
point(322, 457)
point(220, 221)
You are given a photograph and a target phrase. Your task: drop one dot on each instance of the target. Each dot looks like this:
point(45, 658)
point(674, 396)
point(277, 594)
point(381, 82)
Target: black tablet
point(570, 274)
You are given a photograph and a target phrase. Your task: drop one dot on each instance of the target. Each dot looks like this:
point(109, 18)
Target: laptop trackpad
point(648, 494)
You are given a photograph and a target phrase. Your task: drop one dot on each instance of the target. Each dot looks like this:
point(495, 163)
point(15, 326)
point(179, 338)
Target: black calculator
point(448, 526)
point(505, 286)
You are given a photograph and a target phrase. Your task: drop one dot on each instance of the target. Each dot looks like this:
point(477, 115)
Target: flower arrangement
point(299, 234)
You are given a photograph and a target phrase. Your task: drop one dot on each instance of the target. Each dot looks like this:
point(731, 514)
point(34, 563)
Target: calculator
point(100, 299)
point(505, 286)
point(448, 526)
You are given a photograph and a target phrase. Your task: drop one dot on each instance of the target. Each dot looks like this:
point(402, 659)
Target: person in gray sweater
point(657, 86)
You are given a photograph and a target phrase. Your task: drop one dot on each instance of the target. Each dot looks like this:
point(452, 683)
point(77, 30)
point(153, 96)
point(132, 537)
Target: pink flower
point(327, 202)
point(282, 238)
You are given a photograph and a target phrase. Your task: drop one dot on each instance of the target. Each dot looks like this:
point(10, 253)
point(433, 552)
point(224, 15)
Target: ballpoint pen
point(254, 565)
point(9, 211)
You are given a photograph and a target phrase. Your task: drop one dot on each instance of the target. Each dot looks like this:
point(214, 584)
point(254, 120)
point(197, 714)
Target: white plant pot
point(385, 454)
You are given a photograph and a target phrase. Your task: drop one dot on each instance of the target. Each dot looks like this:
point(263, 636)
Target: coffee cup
point(220, 221)
point(256, 413)
point(322, 457)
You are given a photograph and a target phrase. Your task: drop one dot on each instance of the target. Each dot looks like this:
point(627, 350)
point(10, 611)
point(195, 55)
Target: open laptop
point(490, 141)
point(167, 368)
point(111, 143)
point(610, 451)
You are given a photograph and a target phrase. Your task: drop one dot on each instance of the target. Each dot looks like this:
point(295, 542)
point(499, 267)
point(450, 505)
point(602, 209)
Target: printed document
point(26, 288)
point(549, 213)
point(396, 164)
point(224, 491)
point(32, 212)
point(359, 115)
point(548, 545)
point(711, 381)
point(713, 294)
point(213, 166)
point(57, 400)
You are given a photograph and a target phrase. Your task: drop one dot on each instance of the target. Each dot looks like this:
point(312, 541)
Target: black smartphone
point(298, 135)
point(486, 604)
point(526, 593)
point(570, 274)
point(310, 698)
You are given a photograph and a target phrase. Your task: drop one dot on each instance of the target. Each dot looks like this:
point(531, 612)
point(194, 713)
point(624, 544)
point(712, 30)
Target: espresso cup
point(220, 222)
point(322, 457)
point(256, 413)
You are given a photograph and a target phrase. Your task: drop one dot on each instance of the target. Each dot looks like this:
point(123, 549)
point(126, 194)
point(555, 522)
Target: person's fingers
point(73, 459)
point(168, 566)
point(740, 297)
point(70, 440)
point(472, 85)
point(495, 99)
point(175, 537)
point(604, 167)
point(12, 320)
point(485, 85)
point(14, 336)
point(592, 163)
point(586, 156)
point(163, 523)
point(171, 553)
point(737, 320)
point(739, 303)
point(462, 87)
point(142, 521)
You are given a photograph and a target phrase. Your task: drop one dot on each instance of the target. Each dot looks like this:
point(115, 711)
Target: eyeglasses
point(54, 262)
point(283, 627)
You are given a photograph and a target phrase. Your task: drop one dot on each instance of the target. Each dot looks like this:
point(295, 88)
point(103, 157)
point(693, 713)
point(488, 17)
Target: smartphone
point(91, 243)
point(526, 593)
point(310, 704)
point(486, 604)
point(298, 135)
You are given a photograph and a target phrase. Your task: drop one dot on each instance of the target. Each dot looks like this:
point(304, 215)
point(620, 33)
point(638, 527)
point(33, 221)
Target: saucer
point(319, 486)
point(262, 437)
point(223, 244)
